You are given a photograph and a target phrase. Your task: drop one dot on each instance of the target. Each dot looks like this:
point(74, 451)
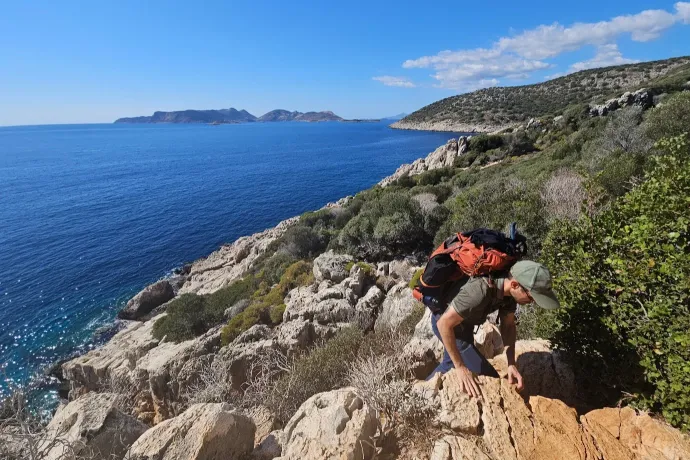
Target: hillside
point(496, 108)
point(230, 115)
point(286, 115)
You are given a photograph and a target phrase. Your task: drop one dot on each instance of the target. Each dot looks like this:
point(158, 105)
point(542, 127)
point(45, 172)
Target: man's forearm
point(508, 334)
point(448, 339)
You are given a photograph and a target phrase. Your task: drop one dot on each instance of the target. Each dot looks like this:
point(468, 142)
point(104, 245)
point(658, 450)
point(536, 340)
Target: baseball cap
point(536, 279)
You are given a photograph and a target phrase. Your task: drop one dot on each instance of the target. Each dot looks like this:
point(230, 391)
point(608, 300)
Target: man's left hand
point(514, 377)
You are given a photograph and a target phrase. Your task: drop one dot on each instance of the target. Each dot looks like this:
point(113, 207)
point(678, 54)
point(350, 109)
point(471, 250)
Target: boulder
point(463, 144)
point(295, 335)
point(643, 98)
point(271, 447)
point(202, 432)
point(149, 298)
point(331, 266)
point(424, 350)
point(623, 430)
point(397, 307)
point(91, 425)
point(358, 280)
point(336, 424)
point(401, 269)
point(488, 340)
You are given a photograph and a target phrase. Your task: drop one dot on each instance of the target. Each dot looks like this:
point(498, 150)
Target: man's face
point(519, 293)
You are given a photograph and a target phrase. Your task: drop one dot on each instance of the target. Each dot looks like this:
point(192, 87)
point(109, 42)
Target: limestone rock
point(358, 280)
point(271, 447)
point(149, 298)
point(371, 301)
point(120, 354)
point(625, 433)
point(397, 307)
point(231, 261)
point(202, 432)
point(331, 266)
point(401, 269)
point(488, 340)
point(424, 350)
point(336, 424)
point(295, 335)
point(91, 425)
point(459, 412)
point(442, 157)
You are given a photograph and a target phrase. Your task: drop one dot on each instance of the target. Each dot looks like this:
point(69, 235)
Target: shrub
point(624, 281)
point(670, 119)
point(388, 223)
point(323, 369)
point(185, 319)
point(267, 305)
point(224, 298)
point(563, 195)
point(304, 242)
point(273, 268)
point(485, 142)
point(433, 177)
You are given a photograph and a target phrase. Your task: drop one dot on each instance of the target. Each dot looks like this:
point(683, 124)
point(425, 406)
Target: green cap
point(536, 279)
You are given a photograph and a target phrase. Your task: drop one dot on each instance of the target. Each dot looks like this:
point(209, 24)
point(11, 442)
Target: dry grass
point(563, 195)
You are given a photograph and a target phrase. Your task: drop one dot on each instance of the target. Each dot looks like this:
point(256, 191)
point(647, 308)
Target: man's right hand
point(467, 382)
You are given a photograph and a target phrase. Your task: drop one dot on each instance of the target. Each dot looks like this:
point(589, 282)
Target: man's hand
point(513, 373)
point(467, 382)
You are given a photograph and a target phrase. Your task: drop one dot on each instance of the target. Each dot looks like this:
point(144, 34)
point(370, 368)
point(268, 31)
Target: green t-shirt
point(479, 297)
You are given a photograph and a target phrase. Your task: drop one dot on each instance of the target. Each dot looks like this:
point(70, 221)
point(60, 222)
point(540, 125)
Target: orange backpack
point(475, 253)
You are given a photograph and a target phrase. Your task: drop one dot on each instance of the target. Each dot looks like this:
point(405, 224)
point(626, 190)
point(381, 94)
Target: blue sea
point(91, 214)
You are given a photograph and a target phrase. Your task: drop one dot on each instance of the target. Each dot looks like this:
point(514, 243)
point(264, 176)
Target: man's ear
point(514, 284)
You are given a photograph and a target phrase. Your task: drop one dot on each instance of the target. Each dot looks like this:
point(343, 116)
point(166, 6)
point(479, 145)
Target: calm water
point(90, 214)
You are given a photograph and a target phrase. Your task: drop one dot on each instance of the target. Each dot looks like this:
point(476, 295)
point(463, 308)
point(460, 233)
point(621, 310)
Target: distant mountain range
point(399, 116)
point(229, 116)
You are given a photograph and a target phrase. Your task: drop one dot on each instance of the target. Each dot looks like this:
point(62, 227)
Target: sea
point(91, 214)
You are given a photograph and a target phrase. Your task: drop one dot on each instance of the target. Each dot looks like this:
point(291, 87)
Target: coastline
point(449, 126)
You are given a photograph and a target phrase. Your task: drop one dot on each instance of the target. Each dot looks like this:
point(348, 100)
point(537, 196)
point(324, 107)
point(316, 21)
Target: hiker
point(477, 297)
point(477, 273)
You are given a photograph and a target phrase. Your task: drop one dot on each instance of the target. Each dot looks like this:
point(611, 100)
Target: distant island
point(229, 116)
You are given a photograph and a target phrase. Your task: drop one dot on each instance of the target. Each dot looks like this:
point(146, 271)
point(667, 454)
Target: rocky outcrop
point(149, 298)
point(90, 426)
point(155, 374)
point(337, 424)
point(641, 98)
point(331, 266)
point(397, 307)
point(507, 425)
point(442, 157)
point(202, 432)
point(232, 261)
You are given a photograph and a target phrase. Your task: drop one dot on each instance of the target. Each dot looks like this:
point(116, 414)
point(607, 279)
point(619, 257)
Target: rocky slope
point(493, 109)
point(136, 396)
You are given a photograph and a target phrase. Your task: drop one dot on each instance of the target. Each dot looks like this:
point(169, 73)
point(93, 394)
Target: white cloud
point(401, 82)
point(683, 11)
point(517, 57)
point(606, 55)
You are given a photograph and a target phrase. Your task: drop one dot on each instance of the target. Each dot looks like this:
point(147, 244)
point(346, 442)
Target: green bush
point(670, 119)
point(485, 142)
point(185, 319)
point(267, 305)
point(433, 177)
point(224, 298)
point(624, 282)
point(389, 223)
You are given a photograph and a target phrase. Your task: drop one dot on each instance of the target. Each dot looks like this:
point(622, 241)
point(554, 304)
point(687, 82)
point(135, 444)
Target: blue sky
point(89, 62)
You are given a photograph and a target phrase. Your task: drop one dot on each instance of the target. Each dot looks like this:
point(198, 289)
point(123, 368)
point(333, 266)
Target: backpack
point(478, 252)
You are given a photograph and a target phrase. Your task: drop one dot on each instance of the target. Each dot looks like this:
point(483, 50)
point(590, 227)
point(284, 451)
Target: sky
point(93, 62)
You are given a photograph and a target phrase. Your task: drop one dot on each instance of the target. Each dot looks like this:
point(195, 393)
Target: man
point(526, 282)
